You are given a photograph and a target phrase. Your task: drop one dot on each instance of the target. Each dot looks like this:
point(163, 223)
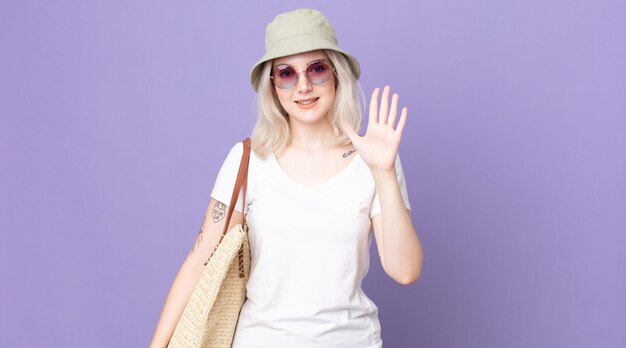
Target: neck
point(312, 136)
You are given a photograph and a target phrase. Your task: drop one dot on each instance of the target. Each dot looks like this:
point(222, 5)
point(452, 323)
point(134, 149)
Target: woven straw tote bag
point(210, 317)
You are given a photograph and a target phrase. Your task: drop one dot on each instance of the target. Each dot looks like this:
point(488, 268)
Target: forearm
point(191, 270)
point(401, 248)
point(177, 299)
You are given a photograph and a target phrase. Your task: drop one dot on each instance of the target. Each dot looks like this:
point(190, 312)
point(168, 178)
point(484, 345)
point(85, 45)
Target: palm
point(379, 146)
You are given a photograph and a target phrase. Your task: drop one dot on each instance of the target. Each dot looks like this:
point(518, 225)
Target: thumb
point(347, 129)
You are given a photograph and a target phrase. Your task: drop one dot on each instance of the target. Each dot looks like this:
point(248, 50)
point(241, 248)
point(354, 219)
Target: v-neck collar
point(318, 185)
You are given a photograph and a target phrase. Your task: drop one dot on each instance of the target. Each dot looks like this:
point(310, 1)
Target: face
point(306, 101)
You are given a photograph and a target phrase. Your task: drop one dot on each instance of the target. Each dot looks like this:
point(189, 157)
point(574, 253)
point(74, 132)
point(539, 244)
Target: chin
point(308, 117)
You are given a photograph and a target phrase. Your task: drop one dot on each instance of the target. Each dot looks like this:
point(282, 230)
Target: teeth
point(307, 102)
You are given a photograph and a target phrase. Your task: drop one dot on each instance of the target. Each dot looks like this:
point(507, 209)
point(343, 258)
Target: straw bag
point(210, 317)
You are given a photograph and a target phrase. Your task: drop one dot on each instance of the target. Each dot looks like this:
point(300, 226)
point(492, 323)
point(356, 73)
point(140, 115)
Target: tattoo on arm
point(219, 211)
point(199, 238)
point(349, 153)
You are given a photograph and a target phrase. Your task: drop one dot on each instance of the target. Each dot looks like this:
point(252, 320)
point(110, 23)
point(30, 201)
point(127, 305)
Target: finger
point(374, 106)
point(384, 106)
point(402, 121)
point(347, 129)
point(393, 111)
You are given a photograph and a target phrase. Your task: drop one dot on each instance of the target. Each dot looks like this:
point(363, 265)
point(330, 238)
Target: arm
point(191, 270)
point(399, 247)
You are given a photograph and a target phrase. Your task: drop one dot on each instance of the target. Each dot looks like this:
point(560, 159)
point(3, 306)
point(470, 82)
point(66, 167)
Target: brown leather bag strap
point(242, 179)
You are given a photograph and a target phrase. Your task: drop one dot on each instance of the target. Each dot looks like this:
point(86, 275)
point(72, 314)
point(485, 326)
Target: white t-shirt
point(309, 248)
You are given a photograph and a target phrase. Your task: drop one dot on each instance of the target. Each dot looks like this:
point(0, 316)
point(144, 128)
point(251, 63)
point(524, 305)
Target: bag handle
point(242, 180)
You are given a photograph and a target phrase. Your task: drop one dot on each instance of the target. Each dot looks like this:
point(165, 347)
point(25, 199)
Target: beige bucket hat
point(299, 31)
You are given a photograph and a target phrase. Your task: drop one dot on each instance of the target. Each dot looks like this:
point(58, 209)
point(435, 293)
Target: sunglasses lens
point(318, 73)
point(285, 76)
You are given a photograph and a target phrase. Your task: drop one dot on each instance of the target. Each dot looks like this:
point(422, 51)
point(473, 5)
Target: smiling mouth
point(308, 101)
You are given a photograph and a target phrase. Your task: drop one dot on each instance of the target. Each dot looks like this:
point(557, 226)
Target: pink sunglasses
point(318, 73)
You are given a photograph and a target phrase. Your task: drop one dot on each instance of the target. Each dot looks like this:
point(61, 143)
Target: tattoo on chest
point(219, 211)
point(349, 153)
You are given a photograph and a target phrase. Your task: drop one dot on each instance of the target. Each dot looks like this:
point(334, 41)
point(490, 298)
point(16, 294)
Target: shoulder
point(232, 158)
point(236, 149)
point(234, 152)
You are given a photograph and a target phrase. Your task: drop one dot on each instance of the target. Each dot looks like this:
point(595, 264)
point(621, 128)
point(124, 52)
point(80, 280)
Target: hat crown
point(299, 31)
point(298, 22)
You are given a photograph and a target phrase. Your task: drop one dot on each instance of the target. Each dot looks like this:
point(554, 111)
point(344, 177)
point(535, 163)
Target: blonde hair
point(272, 132)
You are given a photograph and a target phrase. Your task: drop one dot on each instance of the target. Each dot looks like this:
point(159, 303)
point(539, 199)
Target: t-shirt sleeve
point(375, 208)
point(225, 181)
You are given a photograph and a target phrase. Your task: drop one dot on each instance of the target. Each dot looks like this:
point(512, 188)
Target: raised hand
point(379, 146)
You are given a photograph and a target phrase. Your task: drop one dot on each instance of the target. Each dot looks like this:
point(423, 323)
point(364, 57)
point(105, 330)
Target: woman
point(315, 190)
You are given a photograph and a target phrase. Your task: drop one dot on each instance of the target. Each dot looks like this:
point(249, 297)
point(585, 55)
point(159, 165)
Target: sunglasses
point(318, 73)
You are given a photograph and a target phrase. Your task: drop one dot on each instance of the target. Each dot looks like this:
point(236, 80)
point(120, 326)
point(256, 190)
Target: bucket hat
point(299, 31)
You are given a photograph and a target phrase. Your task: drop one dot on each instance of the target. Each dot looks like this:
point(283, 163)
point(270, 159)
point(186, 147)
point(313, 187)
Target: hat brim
point(299, 44)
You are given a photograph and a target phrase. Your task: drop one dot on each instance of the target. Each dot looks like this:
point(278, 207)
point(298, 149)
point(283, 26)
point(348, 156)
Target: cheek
point(283, 97)
point(332, 88)
point(331, 93)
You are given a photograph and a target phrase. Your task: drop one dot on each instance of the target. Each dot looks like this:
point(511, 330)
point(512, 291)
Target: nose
point(303, 84)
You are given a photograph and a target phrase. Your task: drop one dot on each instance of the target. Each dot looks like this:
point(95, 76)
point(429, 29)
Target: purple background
point(116, 115)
